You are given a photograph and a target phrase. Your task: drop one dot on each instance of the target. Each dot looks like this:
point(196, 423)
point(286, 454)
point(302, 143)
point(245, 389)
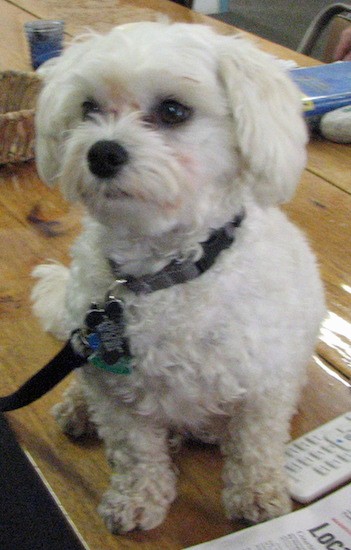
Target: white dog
point(180, 143)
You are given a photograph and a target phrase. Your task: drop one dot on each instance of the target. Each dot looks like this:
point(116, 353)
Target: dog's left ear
point(267, 119)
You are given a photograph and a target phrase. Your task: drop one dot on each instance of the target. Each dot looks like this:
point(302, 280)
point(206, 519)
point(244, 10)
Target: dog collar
point(178, 272)
point(102, 341)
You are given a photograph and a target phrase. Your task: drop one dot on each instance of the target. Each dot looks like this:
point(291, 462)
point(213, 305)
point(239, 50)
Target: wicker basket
point(18, 94)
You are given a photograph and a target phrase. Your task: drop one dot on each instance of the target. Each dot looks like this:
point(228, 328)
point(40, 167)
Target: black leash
point(43, 381)
point(102, 341)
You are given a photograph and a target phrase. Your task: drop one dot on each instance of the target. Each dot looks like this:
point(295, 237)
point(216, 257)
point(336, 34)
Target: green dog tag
point(122, 366)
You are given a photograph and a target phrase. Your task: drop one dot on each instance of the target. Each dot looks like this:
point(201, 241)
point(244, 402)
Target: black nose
point(105, 158)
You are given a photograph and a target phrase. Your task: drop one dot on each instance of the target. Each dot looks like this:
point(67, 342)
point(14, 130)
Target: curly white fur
point(225, 354)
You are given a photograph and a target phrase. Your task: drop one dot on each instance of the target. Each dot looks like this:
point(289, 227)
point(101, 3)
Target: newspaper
point(325, 524)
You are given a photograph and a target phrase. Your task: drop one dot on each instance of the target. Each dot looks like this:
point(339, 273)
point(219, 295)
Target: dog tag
point(94, 317)
point(106, 337)
point(122, 366)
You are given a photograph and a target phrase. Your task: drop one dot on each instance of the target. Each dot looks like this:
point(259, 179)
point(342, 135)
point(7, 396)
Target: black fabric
point(186, 3)
point(29, 517)
point(220, 240)
point(44, 380)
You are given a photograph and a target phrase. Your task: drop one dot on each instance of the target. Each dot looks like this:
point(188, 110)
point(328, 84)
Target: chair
point(322, 20)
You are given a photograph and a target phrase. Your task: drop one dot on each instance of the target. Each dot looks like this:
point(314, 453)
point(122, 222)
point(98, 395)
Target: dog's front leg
point(143, 484)
point(255, 484)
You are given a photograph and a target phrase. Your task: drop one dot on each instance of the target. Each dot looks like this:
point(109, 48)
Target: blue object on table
point(45, 40)
point(323, 88)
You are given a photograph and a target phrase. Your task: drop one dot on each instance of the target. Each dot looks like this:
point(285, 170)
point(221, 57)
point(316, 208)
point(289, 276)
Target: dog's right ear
point(47, 142)
point(56, 107)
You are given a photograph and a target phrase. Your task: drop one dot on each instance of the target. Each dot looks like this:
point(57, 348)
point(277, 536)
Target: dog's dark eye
point(89, 108)
point(171, 112)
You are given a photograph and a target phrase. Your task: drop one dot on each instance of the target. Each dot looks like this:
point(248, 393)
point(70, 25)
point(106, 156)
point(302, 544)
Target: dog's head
point(155, 125)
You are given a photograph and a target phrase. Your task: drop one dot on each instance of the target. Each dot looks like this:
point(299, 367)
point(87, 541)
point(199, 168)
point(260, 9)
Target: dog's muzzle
point(106, 158)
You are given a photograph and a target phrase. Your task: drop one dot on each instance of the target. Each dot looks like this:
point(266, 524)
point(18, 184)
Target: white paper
point(326, 524)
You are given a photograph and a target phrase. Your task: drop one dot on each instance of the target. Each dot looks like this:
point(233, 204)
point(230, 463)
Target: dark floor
point(281, 21)
point(29, 517)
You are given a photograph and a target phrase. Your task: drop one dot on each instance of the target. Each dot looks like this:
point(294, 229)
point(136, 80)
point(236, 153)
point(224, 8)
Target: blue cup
point(45, 40)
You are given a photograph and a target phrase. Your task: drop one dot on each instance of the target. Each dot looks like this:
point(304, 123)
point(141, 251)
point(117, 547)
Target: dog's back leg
point(72, 414)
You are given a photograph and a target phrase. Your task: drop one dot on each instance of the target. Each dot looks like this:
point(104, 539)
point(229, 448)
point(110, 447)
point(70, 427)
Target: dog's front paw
point(255, 504)
point(138, 502)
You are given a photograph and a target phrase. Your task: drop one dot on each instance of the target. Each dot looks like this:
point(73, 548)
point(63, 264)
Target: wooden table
point(77, 472)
